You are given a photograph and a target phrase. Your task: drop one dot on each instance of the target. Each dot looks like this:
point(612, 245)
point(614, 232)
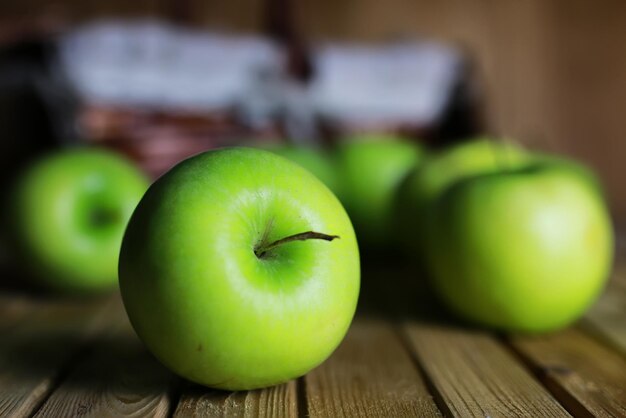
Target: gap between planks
point(372, 373)
point(473, 375)
point(37, 351)
point(117, 378)
point(588, 377)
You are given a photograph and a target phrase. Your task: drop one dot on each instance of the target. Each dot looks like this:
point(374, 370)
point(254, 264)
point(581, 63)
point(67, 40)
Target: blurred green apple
point(370, 169)
point(578, 169)
point(314, 160)
point(68, 216)
point(227, 275)
point(424, 185)
point(521, 249)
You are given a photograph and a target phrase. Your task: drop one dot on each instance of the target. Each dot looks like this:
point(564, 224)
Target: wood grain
point(119, 378)
point(64, 358)
point(476, 376)
point(35, 352)
point(586, 376)
point(279, 401)
point(371, 374)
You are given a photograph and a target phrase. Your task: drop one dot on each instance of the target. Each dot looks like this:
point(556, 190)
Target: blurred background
point(161, 80)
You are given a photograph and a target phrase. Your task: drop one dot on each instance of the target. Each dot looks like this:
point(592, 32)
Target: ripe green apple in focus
point(240, 269)
point(524, 249)
point(371, 168)
point(68, 214)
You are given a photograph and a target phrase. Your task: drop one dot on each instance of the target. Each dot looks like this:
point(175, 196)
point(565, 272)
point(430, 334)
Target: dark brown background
point(553, 71)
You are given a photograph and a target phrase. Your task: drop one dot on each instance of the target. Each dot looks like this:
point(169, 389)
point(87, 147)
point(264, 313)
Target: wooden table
point(402, 357)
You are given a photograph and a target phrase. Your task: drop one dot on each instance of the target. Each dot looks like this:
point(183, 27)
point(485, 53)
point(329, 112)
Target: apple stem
point(302, 236)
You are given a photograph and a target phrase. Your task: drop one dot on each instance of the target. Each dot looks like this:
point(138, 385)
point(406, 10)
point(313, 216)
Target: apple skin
point(477, 156)
point(198, 295)
point(424, 186)
point(371, 168)
point(575, 167)
point(525, 250)
point(68, 214)
point(314, 160)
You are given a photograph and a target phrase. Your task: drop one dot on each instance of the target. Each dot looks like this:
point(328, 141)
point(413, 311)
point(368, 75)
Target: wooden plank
point(607, 318)
point(35, 352)
point(279, 401)
point(119, 378)
point(475, 376)
point(371, 374)
point(586, 376)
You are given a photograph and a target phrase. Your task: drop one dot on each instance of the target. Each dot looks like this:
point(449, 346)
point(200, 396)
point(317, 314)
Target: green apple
point(371, 168)
point(68, 216)
point(424, 185)
point(522, 249)
point(565, 163)
point(314, 160)
point(240, 269)
point(478, 156)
